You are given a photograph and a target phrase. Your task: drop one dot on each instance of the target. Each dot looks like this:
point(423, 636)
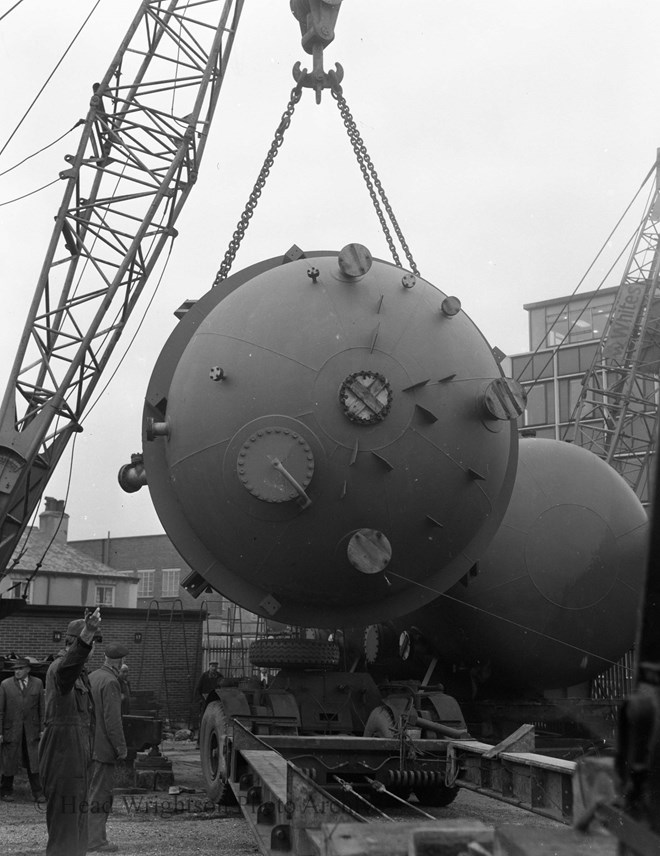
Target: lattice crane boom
point(135, 165)
point(616, 416)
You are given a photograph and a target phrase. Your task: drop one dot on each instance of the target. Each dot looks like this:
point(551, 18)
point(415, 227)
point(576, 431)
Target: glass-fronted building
point(563, 338)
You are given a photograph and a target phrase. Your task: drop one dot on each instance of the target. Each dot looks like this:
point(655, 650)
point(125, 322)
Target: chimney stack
point(53, 517)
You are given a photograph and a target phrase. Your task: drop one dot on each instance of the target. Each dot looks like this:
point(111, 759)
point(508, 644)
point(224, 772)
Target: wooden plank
point(523, 739)
point(347, 744)
point(530, 759)
point(530, 841)
point(271, 768)
point(544, 762)
point(396, 839)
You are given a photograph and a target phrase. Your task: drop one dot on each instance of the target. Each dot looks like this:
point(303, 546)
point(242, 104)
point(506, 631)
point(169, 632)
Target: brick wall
point(167, 661)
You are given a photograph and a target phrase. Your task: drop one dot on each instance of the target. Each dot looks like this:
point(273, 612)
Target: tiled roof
point(60, 558)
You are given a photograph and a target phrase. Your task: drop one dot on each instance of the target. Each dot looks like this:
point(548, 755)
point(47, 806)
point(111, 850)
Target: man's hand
point(92, 624)
point(122, 755)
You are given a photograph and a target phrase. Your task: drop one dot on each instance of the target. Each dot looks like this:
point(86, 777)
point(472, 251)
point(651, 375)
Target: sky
point(509, 137)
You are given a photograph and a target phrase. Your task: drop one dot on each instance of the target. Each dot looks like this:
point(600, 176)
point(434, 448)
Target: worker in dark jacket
point(208, 681)
point(125, 686)
point(65, 747)
point(21, 723)
point(109, 744)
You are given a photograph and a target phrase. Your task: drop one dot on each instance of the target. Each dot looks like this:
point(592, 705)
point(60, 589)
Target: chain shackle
point(246, 216)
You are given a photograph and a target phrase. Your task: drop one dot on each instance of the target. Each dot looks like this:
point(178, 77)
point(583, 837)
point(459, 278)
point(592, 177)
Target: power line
point(11, 10)
point(39, 151)
point(48, 79)
point(31, 193)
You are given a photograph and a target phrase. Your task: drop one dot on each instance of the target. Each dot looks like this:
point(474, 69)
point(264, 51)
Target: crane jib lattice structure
point(136, 162)
point(616, 416)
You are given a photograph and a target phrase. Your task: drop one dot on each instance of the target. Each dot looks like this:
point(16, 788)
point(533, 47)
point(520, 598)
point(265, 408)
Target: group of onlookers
point(68, 737)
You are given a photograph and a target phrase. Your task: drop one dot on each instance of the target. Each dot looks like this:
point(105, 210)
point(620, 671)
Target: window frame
point(174, 573)
point(107, 587)
point(144, 574)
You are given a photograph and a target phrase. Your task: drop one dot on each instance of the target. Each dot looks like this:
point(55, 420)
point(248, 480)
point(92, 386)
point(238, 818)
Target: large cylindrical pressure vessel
point(329, 439)
point(555, 599)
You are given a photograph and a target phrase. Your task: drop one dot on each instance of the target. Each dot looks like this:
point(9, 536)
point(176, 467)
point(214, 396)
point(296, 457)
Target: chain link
point(246, 216)
point(372, 181)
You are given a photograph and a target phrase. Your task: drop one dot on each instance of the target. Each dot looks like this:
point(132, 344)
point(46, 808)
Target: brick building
point(50, 582)
point(165, 655)
point(227, 629)
point(159, 568)
point(47, 570)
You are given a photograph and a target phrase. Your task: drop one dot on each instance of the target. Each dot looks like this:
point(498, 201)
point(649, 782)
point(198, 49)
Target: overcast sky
point(509, 137)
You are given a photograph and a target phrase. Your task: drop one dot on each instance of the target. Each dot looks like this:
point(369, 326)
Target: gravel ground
point(160, 824)
point(151, 823)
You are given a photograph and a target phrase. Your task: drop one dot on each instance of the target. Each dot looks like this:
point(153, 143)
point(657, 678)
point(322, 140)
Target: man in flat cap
point(109, 744)
point(65, 748)
point(21, 724)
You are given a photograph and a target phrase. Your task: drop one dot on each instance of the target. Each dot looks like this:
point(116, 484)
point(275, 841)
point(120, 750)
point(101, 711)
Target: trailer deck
point(309, 795)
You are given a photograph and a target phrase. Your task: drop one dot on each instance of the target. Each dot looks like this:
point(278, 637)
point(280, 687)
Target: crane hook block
point(317, 20)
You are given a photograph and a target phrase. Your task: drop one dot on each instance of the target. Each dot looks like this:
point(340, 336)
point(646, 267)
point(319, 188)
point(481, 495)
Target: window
point(105, 596)
point(170, 582)
point(570, 390)
point(20, 588)
point(540, 405)
point(568, 361)
point(146, 583)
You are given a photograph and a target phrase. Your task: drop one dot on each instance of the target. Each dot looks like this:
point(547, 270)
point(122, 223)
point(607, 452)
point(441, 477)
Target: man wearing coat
point(65, 747)
point(109, 744)
point(21, 723)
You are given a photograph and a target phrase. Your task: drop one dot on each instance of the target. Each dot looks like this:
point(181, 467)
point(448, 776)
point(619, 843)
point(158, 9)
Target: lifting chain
point(365, 163)
point(372, 181)
point(246, 216)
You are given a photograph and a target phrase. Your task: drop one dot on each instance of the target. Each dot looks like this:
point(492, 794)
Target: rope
point(501, 618)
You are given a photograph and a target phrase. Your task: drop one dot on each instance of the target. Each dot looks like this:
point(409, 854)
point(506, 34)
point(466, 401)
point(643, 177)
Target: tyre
point(381, 724)
point(300, 653)
point(212, 748)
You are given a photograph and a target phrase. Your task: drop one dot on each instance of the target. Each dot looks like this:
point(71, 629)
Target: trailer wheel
point(381, 724)
point(212, 741)
point(436, 795)
point(301, 653)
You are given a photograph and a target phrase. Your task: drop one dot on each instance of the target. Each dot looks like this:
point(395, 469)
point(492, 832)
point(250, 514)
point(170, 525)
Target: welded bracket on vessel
point(537, 783)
